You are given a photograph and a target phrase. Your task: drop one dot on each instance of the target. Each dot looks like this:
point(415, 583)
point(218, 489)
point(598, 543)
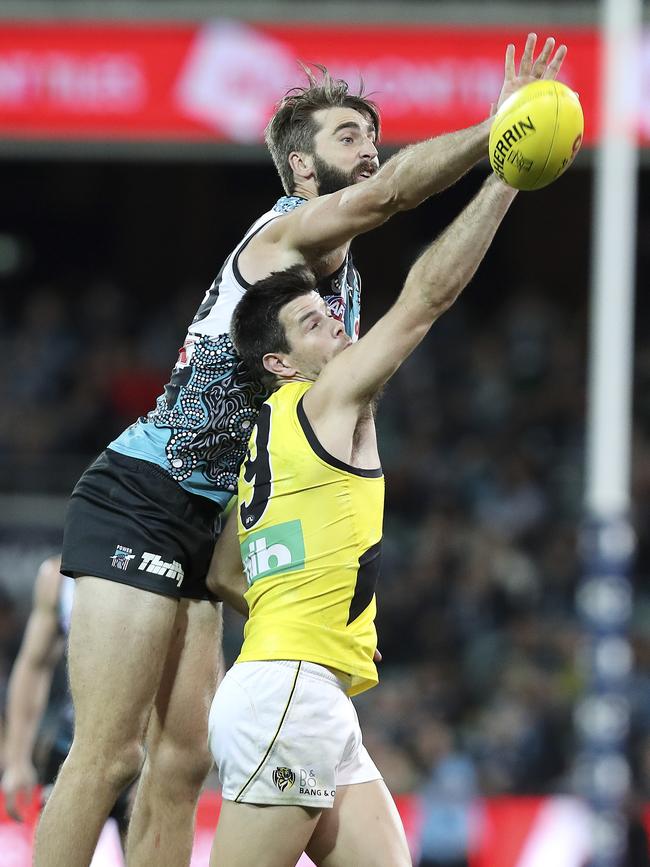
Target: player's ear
point(301, 164)
point(277, 365)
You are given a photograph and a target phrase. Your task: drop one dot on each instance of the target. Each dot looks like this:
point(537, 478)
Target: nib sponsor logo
point(277, 549)
point(154, 563)
point(232, 78)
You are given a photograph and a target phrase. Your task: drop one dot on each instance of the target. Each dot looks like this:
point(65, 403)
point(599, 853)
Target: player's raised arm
point(414, 174)
point(29, 686)
point(434, 282)
point(411, 176)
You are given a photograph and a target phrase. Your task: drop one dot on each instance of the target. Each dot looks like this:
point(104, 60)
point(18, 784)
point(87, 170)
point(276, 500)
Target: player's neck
point(297, 377)
point(305, 188)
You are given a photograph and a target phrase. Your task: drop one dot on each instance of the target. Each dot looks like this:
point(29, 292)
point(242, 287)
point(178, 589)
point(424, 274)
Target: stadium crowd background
point(102, 265)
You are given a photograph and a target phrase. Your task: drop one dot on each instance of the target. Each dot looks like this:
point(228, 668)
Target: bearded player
point(142, 521)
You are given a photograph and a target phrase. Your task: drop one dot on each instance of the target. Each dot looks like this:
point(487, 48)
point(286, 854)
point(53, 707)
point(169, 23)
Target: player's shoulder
point(288, 393)
point(286, 212)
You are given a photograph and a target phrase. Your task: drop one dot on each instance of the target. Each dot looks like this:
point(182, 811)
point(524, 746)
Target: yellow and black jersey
point(310, 529)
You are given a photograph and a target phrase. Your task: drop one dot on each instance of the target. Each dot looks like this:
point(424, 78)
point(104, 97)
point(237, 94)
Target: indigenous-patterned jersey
point(200, 427)
point(310, 530)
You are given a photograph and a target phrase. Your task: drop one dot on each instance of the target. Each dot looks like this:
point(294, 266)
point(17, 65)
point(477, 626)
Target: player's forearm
point(27, 698)
point(432, 285)
point(407, 179)
point(448, 265)
point(424, 169)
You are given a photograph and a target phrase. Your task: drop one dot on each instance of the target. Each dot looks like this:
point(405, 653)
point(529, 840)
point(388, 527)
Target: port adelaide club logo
point(284, 778)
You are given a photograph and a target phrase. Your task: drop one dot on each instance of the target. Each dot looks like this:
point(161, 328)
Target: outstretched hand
point(17, 786)
point(545, 66)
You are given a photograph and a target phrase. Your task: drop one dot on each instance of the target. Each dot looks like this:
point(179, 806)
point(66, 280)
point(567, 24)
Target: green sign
point(273, 550)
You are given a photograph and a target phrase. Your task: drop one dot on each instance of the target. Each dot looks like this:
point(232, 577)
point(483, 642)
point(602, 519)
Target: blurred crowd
point(482, 440)
point(78, 367)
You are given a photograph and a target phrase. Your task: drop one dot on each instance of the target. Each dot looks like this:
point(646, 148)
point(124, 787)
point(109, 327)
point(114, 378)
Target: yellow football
point(536, 134)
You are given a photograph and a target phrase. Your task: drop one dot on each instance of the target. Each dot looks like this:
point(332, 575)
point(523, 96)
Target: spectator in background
point(30, 683)
point(448, 796)
point(42, 647)
point(9, 640)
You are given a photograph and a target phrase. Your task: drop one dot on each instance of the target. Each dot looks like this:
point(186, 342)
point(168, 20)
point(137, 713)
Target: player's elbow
point(226, 585)
point(232, 594)
point(383, 196)
point(452, 289)
point(427, 300)
point(216, 582)
point(444, 296)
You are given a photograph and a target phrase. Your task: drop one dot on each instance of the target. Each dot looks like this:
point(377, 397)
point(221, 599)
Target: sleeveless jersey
point(200, 427)
point(310, 530)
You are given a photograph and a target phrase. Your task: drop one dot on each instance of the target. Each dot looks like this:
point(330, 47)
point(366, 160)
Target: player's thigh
point(119, 636)
point(193, 666)
point(270, 836)
point(362, 828)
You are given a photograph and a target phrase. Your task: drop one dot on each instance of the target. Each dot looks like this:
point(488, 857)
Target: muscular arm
point(406, 180)
point(434, 282)
point(226, 577)
point(29, 685)
point(326, 223)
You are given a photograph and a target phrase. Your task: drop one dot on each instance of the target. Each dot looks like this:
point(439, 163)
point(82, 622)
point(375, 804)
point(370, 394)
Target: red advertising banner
point(16, 839)
point(509, 832)
point(220, 80)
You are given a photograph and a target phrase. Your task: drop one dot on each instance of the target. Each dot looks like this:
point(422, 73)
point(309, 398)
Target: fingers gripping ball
point(536, 134)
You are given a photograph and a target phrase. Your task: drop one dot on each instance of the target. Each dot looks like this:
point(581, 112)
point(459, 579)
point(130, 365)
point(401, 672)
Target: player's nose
point(368, 150)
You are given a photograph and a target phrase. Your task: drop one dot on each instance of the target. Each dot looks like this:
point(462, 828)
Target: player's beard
point(330, 179)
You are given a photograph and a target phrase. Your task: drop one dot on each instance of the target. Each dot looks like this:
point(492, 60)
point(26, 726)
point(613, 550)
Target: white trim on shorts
point(285, 732)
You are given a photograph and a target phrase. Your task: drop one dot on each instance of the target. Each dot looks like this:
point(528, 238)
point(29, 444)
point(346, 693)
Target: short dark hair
point(256, 329)
point(292, 127)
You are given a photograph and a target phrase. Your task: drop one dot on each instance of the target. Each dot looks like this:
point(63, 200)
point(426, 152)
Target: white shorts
point(285, 732)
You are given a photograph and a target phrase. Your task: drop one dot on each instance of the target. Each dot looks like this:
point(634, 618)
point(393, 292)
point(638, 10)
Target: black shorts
point(129, 521)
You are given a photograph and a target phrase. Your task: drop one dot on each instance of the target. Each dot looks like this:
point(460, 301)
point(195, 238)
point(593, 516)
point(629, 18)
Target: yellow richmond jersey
point(310, 532)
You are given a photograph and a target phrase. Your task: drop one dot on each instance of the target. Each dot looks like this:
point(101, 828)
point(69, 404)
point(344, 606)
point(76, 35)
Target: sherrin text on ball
point(536, 134)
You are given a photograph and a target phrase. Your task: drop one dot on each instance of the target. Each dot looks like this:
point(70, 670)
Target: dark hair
point(255, 328)
point(292, 127)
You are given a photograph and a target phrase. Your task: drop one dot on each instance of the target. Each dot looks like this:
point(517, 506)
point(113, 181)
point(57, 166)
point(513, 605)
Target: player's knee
point(181, 764)
point(125, 765)
point(116, 766)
